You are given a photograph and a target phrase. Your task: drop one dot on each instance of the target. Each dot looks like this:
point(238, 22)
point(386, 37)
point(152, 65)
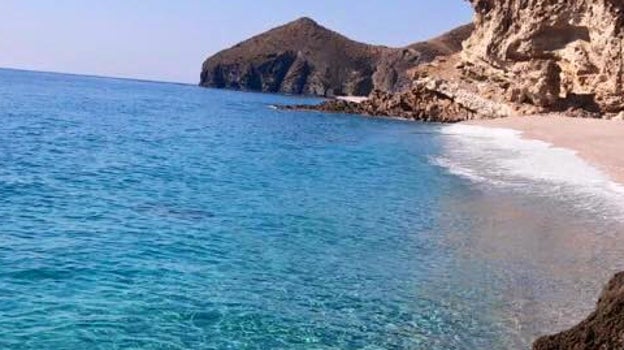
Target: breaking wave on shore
point(502, 158)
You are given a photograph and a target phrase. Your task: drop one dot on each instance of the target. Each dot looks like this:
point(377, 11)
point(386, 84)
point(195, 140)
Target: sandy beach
point(599, 142)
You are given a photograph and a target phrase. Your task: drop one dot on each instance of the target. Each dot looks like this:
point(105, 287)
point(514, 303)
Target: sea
point(144, 215)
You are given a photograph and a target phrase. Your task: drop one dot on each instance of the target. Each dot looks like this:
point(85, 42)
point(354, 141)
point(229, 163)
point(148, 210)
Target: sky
point(167, 40)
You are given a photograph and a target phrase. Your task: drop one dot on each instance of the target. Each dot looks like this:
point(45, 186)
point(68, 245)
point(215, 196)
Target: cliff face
point(553, 54)
point(523, 57)
point(393, 70)
point(303, 57)
point(603, 329)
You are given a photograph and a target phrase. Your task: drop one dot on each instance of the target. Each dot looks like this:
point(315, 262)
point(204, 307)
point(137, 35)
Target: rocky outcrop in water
point(423, 102)
point(602, 330)
point(435, 96)
point(303, 57)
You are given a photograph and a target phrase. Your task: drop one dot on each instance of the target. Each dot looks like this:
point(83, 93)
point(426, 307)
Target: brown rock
point(554, 53)
point(523, 57)
point(602, 330)
point(392, 72)
point(419, 103)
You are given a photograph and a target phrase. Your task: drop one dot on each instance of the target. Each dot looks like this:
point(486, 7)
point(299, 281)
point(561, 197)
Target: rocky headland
point(523, 57)
point(305, 58)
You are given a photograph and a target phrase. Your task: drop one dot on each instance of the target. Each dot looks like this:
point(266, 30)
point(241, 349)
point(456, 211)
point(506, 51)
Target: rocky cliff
point(523, 57)
point(302, 57)
point(551, 54)
point(392, 73)
point(602, 330)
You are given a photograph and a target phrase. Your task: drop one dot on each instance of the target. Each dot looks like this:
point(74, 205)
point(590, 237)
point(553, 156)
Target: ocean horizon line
point(89, 75)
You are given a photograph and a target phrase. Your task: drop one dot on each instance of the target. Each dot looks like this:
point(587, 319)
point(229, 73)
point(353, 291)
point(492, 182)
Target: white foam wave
point(456, 169)
point(502, 157)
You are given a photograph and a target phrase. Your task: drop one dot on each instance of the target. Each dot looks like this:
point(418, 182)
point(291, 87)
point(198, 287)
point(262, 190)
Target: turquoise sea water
point(142, 215)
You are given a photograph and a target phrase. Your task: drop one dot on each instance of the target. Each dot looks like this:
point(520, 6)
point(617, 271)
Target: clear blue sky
point(169, 39)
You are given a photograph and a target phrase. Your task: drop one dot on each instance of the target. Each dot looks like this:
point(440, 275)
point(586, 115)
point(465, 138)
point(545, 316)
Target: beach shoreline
point(598, 142)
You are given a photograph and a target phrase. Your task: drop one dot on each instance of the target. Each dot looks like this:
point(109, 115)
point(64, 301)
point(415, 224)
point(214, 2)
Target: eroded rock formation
point(526, 57)
point(552, 54)
point(602, 330)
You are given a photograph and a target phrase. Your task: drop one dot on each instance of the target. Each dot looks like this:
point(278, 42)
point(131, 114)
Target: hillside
point(303, 57)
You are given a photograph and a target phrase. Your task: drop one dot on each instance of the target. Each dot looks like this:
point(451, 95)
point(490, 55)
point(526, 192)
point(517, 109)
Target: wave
point(501, 157)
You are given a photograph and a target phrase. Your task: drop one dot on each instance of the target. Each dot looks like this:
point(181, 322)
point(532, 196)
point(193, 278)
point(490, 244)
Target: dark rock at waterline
point(418, 103)
point(602, 330)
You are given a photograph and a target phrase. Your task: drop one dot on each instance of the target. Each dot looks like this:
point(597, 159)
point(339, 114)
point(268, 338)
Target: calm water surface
point(158, 216)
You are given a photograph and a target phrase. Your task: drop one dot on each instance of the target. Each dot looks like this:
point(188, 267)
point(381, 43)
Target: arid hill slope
point(393, 70)
point(303, 57)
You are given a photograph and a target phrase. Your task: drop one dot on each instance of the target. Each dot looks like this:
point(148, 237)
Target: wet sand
point(599, 142)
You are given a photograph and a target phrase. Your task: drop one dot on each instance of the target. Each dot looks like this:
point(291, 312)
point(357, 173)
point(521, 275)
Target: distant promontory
point(305, 58)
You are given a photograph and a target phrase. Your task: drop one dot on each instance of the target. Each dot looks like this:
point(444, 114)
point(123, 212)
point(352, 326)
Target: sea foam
point(502, 157)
